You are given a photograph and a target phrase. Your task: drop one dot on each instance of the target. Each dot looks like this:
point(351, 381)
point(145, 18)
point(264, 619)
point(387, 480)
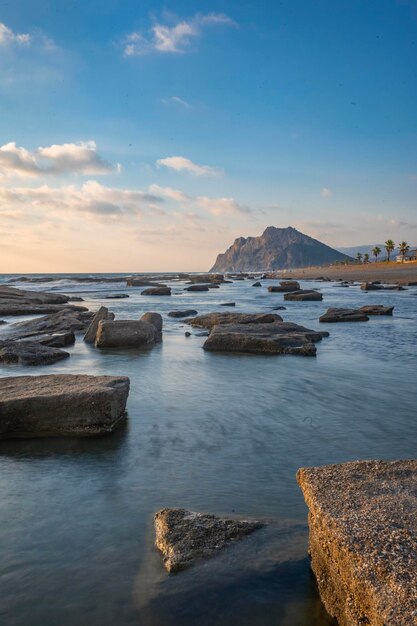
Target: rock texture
point(206, 278)
point(376, 309)
point(59, 405)
point(186, 313)
point(212, 319)
point(274, 338)
point(344, 315)
point(363, 540)
point(29, 353)
point(198, 288)
point(21, 302)
point(126, 334)
point(157, 291)
point(66, 321)
point(184, 537)
point(276, 248)
point(285, 286)
point(302, 295)
point(91, 332)
point(156, 320)
point(377, 286)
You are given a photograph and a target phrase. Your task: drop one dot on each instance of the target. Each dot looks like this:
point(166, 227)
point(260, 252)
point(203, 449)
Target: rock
point(117, 296)
point(363, 540)
point(279, 308)
point(376, 309)
point(156, 320)
point(184, 537)
point(344, 315)
point(66, 321)
point(58, 405)
point(273, 338)
point(376, 286)
point(186, 313)
point(228, 304)
point(206, 278)
point(91, 332)
point(412, 284)
point(140, 282)
point(75, 299)
point(157, 291)
point(212, 319)
point(20, 302)
point(285, 286)
point(303, 295)
point(257, 284)
point(29, 353)
point(187, 333)
point(56, 340)
point(126, 334)
point(3, 322)
point(198, 288)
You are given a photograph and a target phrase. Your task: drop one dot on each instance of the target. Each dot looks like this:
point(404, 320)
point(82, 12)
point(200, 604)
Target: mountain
point(353, 250)
point(276, 248)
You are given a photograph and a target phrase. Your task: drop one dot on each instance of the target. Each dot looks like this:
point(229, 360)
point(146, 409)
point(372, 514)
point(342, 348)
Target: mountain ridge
point(276, 248)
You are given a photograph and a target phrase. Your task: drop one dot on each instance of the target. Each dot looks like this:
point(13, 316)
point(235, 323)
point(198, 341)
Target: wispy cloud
point(9, 38)
point(326, 192)
point(176, 100)
point(181, 164)
point(213, 206)
point(176, 38)
point(68, 158)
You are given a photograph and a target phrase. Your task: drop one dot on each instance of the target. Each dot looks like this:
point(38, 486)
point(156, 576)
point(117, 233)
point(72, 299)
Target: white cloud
point(8, 37)
point(326, 192)
point(181, 164)
point(214, 206)
point(176, 100)
point(172, 39)
point(68, 158)
point(89, 198)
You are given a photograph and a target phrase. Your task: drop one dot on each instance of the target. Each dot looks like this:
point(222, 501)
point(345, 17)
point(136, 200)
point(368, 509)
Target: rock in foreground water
point(276, 338)
point(66, 321)
point(61, 405)
point(91, 332)
point(126, 334)
point(184, 537)
point(185, 313)
point(363, 540)
point(304, 295)
point(212, 319)
point(376, 309)
point(344, 315)
point(21, 302)
point(156, 320)
point(29, 353)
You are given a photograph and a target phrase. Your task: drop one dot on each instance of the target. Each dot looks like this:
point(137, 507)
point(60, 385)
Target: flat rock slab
point(344, 315)
point(157, 291)
point(282, 288)
point(186, 313)
point(376, 309)
point(363, 540)
point(66, 321)
point(29, 353)
point(378, 287)
point(61, 405)
point(212, 319)
point(21, 302)
point(304, 295)
point(274, 338)
point(198, 288)
point(184, 537)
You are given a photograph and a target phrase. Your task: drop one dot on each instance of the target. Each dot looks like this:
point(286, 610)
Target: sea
point(209, 432)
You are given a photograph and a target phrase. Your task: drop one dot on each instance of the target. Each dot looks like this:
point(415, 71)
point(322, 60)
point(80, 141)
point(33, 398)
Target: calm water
point(208, 432)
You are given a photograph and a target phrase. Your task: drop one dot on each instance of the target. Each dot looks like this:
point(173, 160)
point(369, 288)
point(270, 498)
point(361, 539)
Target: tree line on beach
point(389, 247)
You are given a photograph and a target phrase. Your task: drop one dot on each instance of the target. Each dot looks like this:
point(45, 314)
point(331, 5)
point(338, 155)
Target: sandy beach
point(397, 273)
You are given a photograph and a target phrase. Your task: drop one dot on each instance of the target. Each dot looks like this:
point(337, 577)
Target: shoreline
point(397, 273)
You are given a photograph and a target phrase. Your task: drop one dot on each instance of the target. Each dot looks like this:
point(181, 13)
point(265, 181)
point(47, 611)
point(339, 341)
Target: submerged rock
point(91, 332)
point(273, 338)
point(186, 313)
point(61, 405)
point(304, 295)
point(184, 537)
point(29, 353)
point(126, 334)
point(376, 309)
point(344, 315)
point(363, 540)
point(117, 296)
point(157, 291)
point(212, 319)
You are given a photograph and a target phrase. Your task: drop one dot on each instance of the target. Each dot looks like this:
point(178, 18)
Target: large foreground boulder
point(126, 334)
point(302, 295)
point(61, 405)
point(29, 353)
point(363, 540)
point(157, 291)
point(91, 332)
point(273, 338)
point(212, 319)
point(344, 315)
point(184, 537)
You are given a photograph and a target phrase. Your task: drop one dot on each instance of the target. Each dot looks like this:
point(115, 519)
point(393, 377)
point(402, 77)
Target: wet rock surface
point(285, 286)
point(61, 405)
point(185, 313)
point(156, 320)
point(273, 338)
point(344, 315)
point(363, 540)
point(126, 334)
point(377, 286)
point(212, 319)
point(157, 291)
point(303, 295)
point(184, 537)
point(21, 302)
point(206, 278)
point(102, 314)
point(198, 288)
point(376, 309)
point(66, 321)
point(29, 353)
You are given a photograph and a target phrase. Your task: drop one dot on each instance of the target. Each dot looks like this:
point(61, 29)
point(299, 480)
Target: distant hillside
point(276, 248)
point(365, 249)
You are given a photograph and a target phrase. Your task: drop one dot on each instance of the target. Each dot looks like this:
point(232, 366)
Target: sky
point(147, 136)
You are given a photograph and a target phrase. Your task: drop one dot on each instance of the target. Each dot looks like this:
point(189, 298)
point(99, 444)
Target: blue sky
point(146, 136)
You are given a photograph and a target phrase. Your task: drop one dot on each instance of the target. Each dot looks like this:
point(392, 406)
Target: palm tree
point(376, 251)
point(389, 247)
point(366, 258)
point(403, 248)
point(359, 256)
